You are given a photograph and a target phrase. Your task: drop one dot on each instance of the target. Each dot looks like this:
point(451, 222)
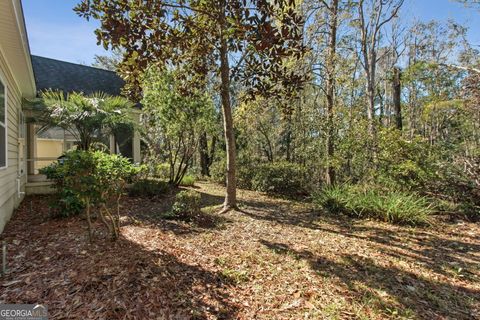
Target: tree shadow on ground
point(156, 283)
point(139, 276)
point(437, 252)
point(390, 287)
point(154, 212)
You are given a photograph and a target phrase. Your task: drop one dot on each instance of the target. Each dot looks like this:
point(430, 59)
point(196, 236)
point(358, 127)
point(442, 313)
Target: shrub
point(162, 170)
point(187, 205)
point(456, 187)
point(403, 163)
point(283, 178)
point(148, 188)
point(217, 171)
point(245, 172)
point(389, 206)
point(95, 180)
point(65, 202)
point(187, 181)
point(68, 204)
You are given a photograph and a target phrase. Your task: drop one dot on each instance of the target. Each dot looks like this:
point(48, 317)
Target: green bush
point(65, 202)
point(92, 180)
point(455, 188)
point(283, 178)
point(390, 206)
point(217, 171)
point(245, 172)
point(404, 163)
point(162, 170)
point(187, 181)
point(148, 188)
point(187, 205)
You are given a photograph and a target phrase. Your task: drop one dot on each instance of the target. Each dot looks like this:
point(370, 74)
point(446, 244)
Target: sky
point(55, 31)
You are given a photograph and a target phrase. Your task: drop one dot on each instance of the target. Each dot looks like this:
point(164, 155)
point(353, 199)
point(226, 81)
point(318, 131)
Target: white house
point(23, 149)
point(16, 82)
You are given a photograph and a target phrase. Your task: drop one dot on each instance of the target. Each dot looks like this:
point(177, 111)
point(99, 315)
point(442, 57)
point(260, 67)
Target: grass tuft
point(390, 206)
point(187, 181)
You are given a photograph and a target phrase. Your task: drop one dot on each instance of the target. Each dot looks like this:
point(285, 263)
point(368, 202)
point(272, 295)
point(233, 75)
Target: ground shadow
point(367, 279)
point(135, 277)
point(154, 211)
point(442, 254)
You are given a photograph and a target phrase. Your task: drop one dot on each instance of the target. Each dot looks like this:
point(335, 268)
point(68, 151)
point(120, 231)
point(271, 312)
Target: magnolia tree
point(244, 41)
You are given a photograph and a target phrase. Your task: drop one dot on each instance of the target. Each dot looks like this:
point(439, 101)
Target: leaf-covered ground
point(276, 259)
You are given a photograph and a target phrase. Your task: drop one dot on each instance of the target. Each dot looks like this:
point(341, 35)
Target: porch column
point(31, 148)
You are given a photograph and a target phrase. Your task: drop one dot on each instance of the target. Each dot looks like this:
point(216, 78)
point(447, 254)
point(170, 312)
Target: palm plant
point(85, 117)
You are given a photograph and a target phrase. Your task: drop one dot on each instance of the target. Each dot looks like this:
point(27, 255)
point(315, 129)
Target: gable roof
point(71, 77)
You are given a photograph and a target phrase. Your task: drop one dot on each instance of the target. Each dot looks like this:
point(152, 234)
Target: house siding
point(9, 197)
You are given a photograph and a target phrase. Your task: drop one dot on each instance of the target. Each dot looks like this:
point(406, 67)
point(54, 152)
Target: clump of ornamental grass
point(369, 202)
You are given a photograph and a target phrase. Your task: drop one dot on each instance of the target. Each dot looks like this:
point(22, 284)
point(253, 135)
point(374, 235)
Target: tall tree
point(373, 15)
point(397, 103)
point(332, 9)
point(174, 123)
point(245, 41)
point(324, 26)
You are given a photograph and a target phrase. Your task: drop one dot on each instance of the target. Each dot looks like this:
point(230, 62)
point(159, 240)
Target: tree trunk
point(332, 49)
point(231, 193)
point(204, 158)
point(397, 88)
point(288, 139)
point(371, 97)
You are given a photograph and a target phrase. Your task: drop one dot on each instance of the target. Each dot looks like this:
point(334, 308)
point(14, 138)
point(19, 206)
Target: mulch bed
point(276, 259)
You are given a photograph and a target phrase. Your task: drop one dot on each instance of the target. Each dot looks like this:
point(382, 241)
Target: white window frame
point(5, 124)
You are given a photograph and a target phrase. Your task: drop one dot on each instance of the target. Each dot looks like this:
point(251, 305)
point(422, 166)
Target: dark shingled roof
point(69, 77)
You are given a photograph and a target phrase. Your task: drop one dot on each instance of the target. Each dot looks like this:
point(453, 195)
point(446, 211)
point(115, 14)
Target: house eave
point(15, 48)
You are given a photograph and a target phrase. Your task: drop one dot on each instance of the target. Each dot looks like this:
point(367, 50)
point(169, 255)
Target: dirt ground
point(275, 259)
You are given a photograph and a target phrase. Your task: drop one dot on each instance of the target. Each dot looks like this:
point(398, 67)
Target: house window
point(3, 125)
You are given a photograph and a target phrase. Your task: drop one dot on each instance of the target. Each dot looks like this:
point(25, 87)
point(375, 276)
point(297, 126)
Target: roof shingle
point(70, 77)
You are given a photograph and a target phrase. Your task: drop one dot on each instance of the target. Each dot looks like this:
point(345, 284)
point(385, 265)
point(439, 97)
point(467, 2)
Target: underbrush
point(148, 188)
point(187, 206)
point(276, 178)
point(369, 202)
point(187, 181)
point(282, 178)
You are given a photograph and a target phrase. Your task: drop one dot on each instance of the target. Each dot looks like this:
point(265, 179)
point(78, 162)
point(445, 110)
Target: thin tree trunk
point(397, 88)
point(371, 99)
point(332, 49)
point(204, 158)
point(231, 192)
point(288, 140)
point(211, 154)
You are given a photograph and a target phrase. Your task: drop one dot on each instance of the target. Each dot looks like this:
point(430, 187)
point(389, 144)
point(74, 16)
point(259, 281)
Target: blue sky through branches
point(55, 31)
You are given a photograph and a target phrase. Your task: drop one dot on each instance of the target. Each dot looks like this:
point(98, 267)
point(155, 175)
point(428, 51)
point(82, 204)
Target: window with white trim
point(3, 125)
